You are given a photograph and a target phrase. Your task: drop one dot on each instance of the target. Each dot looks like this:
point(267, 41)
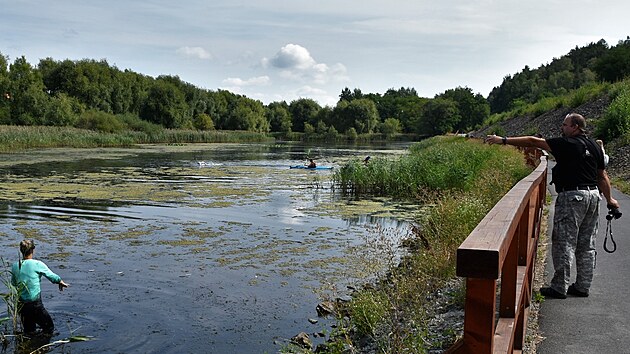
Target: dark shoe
point(549, 292)
point(575, 292)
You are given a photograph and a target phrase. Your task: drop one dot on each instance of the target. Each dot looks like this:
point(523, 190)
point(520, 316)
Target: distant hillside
point(592, 63)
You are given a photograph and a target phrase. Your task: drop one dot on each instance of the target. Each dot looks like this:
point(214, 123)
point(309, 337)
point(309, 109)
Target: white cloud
point(254, 81)
point(309, 91)
point(320, 95)
point(194, 52)
point(296, 64)
point(293, 56)
point(334, 73)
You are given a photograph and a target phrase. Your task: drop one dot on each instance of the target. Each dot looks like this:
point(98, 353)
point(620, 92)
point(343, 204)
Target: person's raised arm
point(521, 141)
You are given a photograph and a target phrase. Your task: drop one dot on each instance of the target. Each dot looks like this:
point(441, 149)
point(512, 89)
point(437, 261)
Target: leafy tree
point(279, 117)
point(127, 92)
point(165, 105)
point(326, 115)
point(521, 85)
point(29, 102)
point(321, 128)
point(473, 108)
point(194, 97)
point(303, 110)
point(391, 127)
point(347, 95)
point(360, 114)
point(223, 102)
point(5, 93)
point(560, 82)
point(63, 110)
point(402, 104)
point(94, 82)
point(352, 134)
point(57, 75)
point(615, 64)
point(440, 116)
point(584, 57)
point(248, 115)
point(331, 134)
point(365, 114)
point(309, 130)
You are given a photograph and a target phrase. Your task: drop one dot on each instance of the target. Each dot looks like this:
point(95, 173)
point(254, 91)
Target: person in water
point(311, 164)
point(26, 276)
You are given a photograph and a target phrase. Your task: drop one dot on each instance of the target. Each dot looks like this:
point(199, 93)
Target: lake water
point(213, 248)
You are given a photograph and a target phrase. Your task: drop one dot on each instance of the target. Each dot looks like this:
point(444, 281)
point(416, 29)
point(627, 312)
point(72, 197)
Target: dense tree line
point(592, 63)
point(93, 94)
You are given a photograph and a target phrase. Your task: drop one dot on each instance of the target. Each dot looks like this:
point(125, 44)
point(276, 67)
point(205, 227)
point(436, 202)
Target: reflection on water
point(214, 248)
point(39, 212)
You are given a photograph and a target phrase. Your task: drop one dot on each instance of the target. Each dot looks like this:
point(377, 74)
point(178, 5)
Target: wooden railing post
point(502, 245)
point(480, 305)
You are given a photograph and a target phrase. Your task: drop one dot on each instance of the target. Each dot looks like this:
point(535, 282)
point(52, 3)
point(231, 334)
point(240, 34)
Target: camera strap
point(609, 231)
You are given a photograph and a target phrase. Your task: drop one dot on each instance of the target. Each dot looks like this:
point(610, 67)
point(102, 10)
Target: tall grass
point(616, 120)
point(460, 180)
point(436, 164)
point(10, 296)
point(15, 138)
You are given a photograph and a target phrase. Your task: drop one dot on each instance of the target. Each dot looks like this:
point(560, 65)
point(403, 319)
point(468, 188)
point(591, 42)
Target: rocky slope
point(548, 125)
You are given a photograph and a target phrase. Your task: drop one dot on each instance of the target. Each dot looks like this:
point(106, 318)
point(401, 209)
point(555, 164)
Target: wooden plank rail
point(503, 246)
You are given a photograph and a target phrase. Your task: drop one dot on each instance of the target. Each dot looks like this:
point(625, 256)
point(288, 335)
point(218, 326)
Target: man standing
point(579, 177)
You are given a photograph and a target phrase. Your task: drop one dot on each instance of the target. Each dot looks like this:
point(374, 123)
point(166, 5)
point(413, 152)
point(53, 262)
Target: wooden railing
point(503, 245)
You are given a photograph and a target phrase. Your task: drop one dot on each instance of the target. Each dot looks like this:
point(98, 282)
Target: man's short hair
point(579, 120)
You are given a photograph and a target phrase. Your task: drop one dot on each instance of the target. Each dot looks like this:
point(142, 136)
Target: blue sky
point(274, 50)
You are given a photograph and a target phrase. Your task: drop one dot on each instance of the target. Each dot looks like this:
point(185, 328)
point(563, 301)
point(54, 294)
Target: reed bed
point(15, 138)
point(434, 165)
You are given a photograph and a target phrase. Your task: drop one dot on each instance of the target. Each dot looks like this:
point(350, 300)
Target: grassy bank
point(15, 138)
point(460, 180)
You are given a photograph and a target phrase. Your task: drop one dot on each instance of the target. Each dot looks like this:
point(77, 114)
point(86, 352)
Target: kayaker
point(311, 164)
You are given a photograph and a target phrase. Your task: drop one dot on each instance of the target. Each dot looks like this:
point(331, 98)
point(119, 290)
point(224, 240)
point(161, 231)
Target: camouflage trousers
point(574, 232)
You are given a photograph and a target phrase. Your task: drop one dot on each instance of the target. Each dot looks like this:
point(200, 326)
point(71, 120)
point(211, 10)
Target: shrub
point(203, 122)
point(100, 121)
point(368, 309)
point(352, 134)
point(497, 130)
point(616, 120)
point(134, 123)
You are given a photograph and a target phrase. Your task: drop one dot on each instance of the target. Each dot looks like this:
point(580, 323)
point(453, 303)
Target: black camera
point(613, 213)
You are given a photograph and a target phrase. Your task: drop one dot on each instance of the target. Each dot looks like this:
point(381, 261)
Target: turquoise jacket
point(30, 274)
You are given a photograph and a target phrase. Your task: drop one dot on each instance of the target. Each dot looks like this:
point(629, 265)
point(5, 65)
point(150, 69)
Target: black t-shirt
point(578, 160)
